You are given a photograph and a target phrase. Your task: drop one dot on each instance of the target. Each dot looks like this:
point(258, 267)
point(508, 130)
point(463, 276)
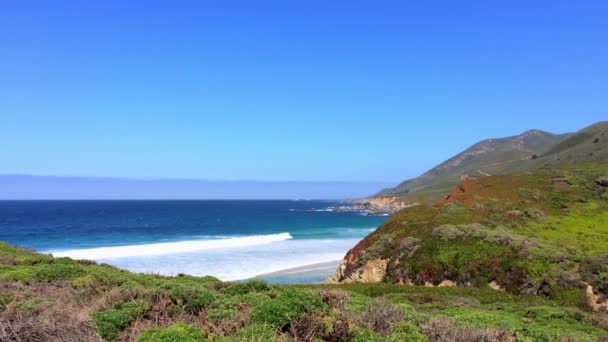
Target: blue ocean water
point(231, 240)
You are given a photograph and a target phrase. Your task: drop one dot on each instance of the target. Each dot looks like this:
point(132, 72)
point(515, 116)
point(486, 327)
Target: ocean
point(231, 240)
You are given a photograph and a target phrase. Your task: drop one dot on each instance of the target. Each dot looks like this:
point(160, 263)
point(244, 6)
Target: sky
point(288, 90)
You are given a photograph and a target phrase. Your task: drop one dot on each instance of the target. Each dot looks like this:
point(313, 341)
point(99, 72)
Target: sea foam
point(165, 248)
point(243, 262)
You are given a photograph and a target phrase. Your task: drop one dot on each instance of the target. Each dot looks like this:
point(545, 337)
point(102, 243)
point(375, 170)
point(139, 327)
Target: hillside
point(50, 299)
point(533, 234)
point(527, 151)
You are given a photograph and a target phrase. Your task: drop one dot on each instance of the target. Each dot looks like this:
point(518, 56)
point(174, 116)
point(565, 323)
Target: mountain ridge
point(527, 151)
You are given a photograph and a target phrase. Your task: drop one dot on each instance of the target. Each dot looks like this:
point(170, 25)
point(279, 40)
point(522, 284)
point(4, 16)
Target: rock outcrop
point(593, 301)
point(382, 205)
point(373, 271)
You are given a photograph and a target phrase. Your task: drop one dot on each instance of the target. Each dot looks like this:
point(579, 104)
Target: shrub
point(409, 245)
point(334, 298)
point(286, 307)
point(8, 260)
point(479, 207)
point(28, 306)
point(111, 323)
point(57, 271)
point(237, 307)
point(535, 214)
point(406, 331)
point(192, 298)
point(339, 328)
point(88, 280)
point(246, 287)
point(453, 208)
point(218, 314)
point(255, 332)
point(443, 330)
point(5, 298)
point(206, 280)
point(385, 243)
point(381, 316)
point(177, 332)
point(21, 274)
point(365, 335)
point(602, 180)
point(448, 232)
point(308, 327)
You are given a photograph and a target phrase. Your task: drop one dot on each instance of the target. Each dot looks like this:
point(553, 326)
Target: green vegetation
point(530, 234)
point(287, 306)
point(178, 332)
point(111, 323)
point(98, 302)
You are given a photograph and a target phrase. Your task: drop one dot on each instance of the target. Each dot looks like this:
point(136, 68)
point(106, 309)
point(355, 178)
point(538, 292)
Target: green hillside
point(527, 151)
point(59, 299)
point(536, 233)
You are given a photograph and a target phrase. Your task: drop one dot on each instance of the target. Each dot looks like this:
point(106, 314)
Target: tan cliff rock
point(384, 204)
point(373, 271)
point(593, 300)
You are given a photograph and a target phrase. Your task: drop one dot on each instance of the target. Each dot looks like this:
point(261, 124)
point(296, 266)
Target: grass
point(178, 332)
point(111, 323)
point(120, 305)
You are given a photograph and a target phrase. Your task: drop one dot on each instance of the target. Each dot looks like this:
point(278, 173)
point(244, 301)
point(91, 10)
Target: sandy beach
point(311, 274)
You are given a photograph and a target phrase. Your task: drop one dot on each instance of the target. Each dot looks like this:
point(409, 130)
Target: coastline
point(308, 274)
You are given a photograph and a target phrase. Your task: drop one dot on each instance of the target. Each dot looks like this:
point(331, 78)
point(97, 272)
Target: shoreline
point(308, 274)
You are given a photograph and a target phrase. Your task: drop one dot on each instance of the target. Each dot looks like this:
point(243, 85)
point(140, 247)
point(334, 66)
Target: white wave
point(170, 247)
point(241, 263)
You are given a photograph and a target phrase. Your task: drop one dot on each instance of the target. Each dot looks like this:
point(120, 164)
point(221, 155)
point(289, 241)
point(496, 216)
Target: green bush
point(30, 305)
point(535, 214)
point(177, 332)
point(366, 335)
point(57, 271)
point(247, 287)
point(255, 332)
point(406, 331)
point(111, 323)
point(453, 208)
point(192, 298)
point(5, 298)
point(225, 307)
point(287, 306)
point(88, 280)
point(21, 274)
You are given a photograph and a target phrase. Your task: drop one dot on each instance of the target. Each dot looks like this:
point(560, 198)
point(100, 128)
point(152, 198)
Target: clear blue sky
point(288, 90)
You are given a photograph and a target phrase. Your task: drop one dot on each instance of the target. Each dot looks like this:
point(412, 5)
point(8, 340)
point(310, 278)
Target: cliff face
point(527, 234)
point(382, 205)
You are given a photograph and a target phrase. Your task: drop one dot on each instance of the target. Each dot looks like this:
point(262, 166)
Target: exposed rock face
point(372, 272)
point(594, 301)
point(374, 206)
point(494, 285)
point(447, 283)
point(382, 205)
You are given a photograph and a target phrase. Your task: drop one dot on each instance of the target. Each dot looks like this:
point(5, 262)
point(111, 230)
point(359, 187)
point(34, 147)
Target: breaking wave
point(170, 247)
